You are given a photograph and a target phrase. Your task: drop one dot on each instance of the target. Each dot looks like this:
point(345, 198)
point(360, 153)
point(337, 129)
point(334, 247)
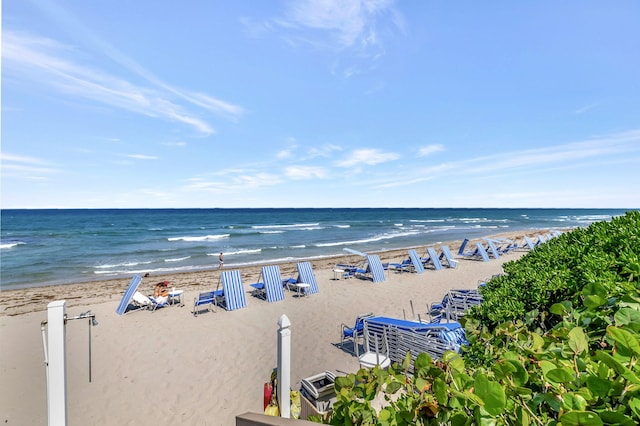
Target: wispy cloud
point(585, 108)
point(368, 157)
point(51, 64)
point(350, 23)
point(305, 172)
point(26, 167)
point(602, 148)
point(178, 144)
point(142, 157)
point(430, 149)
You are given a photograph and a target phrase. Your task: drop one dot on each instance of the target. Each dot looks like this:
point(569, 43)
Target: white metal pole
point(284, 366)
point(57, 385)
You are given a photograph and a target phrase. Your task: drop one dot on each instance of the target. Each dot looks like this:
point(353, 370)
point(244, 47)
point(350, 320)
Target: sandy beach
point(169, 367)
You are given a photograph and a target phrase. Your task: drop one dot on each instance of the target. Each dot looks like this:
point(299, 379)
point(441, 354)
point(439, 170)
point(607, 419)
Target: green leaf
point(624, 338)
point(634, 404)
point(560, 375)
point(439, 389)
point(560, 309)
point(581, 418)
point(578, 340)
point(627, 316)
point(520, 376)
point(594, 301)
point(422, 361)
point(615, 418)
point(384, 415)
point(421, 384)
point(598, 387)
point(573, 401)
point(491, 393)
point(618, 367)
point(393, 387)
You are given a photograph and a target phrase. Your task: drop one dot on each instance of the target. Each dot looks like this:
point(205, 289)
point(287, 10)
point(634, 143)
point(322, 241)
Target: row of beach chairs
point(230, 292)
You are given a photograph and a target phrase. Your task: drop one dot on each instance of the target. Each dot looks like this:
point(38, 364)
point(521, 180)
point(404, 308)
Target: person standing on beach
point(221, 261)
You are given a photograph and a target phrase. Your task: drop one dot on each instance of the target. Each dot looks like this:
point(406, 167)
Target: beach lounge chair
point(479, 253)
point(123, 307)
point(413, 264)
point(232, 296)
point(208, 299)
point(269, 287)
point(306, 275)
point(448, 257)
point(374, 269)
point(432, 258)
point(354, 333)
point(493, 249)
point(140, 301)
point(529, 243)
point(133, 300)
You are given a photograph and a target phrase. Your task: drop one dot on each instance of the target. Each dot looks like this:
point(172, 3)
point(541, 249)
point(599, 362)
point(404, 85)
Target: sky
point(320, 103)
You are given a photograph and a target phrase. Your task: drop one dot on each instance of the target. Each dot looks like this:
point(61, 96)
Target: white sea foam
point(369, 240)
point(342, 226)
point(241, 251)
point(292, 225)
point(10, 245)
point(120, 265)
point(202, 238)
point(271, 232)
point(177, 259)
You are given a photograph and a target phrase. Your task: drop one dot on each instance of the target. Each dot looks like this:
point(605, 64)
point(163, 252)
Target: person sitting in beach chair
point(160, 293)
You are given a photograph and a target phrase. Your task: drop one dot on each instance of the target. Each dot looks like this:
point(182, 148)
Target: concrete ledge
point(254, 419)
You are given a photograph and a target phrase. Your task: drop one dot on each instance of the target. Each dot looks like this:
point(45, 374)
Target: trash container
point(317, 395)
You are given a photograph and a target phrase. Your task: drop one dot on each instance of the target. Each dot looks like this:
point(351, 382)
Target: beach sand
point(169, 367)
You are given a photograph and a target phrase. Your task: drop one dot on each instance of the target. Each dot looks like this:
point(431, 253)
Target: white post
point(57, 384)
point(284, 366)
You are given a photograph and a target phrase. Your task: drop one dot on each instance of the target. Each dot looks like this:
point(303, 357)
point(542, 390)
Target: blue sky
point(310, 103)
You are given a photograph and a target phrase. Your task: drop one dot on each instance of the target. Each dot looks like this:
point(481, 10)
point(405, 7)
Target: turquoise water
point(45, 247)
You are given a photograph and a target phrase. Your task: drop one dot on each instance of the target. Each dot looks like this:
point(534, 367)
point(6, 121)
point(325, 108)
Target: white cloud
point(305, 172)
point(369, 157)
point(31, 168)
point(351, 21)
point(430, 149)
point(179, 144)
point(142, 157)
point(46, 62)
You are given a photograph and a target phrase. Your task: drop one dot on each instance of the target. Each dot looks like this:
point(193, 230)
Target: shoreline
point(13, 300)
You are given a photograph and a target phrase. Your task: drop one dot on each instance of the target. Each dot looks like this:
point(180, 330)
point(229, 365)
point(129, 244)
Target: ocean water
point(49, 247)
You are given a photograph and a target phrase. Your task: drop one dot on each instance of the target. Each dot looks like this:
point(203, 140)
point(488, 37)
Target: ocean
point(50, 247)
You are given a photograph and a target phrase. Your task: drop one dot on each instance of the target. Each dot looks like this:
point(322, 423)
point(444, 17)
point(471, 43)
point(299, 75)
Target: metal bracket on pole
point(92, 323)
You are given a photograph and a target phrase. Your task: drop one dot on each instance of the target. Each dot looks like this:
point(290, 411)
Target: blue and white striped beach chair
point(448, 256)
point(233, 291)
point(432, 258)
point(479, 252)
point(269, 287)
point(306, 275)
point(374, 270)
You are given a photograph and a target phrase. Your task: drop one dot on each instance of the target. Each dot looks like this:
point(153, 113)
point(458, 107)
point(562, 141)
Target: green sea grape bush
point(558, 343)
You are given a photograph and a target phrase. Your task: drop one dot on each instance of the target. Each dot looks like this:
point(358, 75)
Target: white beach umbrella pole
point(284, 366)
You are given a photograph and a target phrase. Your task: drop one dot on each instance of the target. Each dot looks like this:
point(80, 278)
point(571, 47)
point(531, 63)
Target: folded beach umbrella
point(356, 252)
